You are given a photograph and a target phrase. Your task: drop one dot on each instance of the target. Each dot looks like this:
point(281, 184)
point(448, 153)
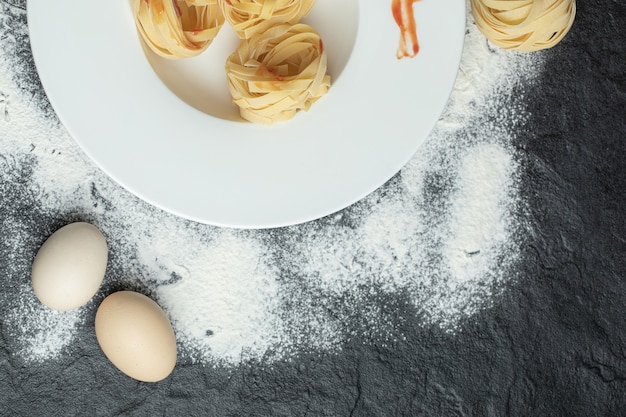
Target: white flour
point(445, 232)
point(477, 226)
point(225, 302)
point(41, 333)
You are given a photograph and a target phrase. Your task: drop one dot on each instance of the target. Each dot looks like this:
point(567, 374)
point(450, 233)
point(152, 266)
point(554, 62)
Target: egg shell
point(135, 334)
point(70, 266)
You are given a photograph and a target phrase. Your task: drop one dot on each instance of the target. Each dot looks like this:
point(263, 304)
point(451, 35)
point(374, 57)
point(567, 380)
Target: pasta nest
point(278, 72)
point(524, 25)
point(248, 17)
point(178, 28)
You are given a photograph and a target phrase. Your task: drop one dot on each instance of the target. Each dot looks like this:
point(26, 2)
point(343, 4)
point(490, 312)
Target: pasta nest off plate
point(178, 28)
point(277, 72)
point(524, 25)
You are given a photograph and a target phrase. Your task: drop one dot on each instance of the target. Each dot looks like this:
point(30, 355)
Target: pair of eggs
point(133, 332)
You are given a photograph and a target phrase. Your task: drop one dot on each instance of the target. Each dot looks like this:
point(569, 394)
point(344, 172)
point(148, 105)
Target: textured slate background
point(553, 345)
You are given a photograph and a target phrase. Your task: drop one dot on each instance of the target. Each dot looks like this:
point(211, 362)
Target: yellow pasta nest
point(524, 25)
point(274, 74)
point(178, 28)
point(248, 17)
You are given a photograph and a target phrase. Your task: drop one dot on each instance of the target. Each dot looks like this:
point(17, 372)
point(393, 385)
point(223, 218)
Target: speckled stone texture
point(554, 343)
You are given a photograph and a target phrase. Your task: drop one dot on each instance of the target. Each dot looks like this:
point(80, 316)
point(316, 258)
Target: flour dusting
point(231, 298)
point(41, 333)
point(478, 225)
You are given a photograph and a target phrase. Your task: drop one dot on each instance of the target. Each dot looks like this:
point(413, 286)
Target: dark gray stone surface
point(554, 344)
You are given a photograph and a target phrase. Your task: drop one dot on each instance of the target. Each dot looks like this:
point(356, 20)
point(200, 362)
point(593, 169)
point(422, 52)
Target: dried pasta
point(178, 28)
point(524, 25)
point(248, 17)
point(276, 73)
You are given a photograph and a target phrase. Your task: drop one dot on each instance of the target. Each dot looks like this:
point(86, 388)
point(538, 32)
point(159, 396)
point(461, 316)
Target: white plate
point(167, 131)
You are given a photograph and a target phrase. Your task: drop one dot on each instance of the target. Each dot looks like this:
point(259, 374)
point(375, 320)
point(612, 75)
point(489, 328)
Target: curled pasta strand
point(274, 74)
point(177, 28)
point(524, 25)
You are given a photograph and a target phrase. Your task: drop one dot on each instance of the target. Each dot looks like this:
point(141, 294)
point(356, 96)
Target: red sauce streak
point(405, 19)
point(321, 47)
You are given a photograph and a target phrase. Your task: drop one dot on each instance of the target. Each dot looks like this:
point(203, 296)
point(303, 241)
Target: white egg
point(70, 266)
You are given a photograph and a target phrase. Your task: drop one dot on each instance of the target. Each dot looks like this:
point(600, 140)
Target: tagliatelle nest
point(178, 28)
point(524, 25)
point(278, 72)
point(248, 17)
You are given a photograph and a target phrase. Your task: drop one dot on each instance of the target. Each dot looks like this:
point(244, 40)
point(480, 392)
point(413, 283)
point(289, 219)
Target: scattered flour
point(225, 302)
point(40, 333)
point(478, 223)
point(444, 234)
